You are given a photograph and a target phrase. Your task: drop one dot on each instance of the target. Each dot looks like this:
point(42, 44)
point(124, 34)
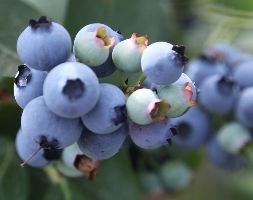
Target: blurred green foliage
point(194, 23)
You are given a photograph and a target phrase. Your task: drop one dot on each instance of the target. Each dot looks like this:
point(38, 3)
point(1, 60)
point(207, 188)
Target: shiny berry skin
point(144, 107)
point(44, 44)
point(71, 89)
point(108, 115)
point(180, 95)
point(28, 84)
point(161, 63)
point(127, 54)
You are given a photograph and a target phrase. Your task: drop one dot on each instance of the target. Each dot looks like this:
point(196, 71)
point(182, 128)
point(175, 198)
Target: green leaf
point(7, 84)
point(47, 7)
point(10, 115)
point(243, 5)
point(55, 193)
point(15, 17)
point(39, 184)
point(14, 182)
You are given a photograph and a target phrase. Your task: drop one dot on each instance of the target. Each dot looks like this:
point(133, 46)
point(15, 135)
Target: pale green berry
point(127, 54)
point(144, 107)
point(233, 137)
point(181, 95)
point(175, 176)
point(93, 48)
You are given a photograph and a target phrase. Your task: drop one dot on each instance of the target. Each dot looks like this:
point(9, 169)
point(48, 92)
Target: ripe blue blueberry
point(243, 74)
point(71, 89)
point(228, 54)
point(48, 129)
point(203, 67)
point(223, 159)
point(193, 128)
point(31, 152)
point(44, 44)
point(244, 107)
point(109, 113)
point(151, 136)
point(218, 94)
point(28, 84)
point(163, 63)
point(101, 146)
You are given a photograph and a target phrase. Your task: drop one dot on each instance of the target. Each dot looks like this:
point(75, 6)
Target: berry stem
point(30, 157)
point(122, 81)
point(141, 79)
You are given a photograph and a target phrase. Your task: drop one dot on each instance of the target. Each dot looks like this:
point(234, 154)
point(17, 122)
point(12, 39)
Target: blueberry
point(25, 147)
point(151, 183)
point(93, 48)
point(233, 137)
point(203, 67)
point(163, 63)
point(48, 129)
point(218, 94)
point(175, 176)
point(30, 151)
point(144, 107)
point(127, 54)
point(44, 44)
point(74, 86)
point(244, 107)
point(151, 136)
point(243, 74)
point(193, 128)
point(228, 54)
point(109, 112)
point(93, 27)
point(108, 67)
point(180, 95)
point(223, 159)
point(28, 84)
point(100, 147)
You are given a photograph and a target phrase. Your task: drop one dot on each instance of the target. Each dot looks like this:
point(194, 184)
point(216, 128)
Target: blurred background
point(192, 23)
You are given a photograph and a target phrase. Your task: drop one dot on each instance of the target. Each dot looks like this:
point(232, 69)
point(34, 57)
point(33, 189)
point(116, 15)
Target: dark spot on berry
point(41, 22)
point(180, 49)
point(73, 89)
point(169, 141)
point(121, 115)
point(173, 131)
point(23, 77)
point(52, 154)
point(184, 130)
point(46, 144)
point(226, 85)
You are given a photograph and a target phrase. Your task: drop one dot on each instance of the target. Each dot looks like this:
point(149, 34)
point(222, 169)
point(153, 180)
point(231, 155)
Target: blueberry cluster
point(224, 118)
point(68, 113)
